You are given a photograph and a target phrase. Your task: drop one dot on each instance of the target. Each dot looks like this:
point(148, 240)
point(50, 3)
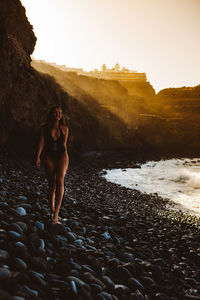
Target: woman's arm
point(40, 147)
point(66, 132)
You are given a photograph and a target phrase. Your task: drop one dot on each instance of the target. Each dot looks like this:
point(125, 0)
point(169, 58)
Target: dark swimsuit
point(53, 149)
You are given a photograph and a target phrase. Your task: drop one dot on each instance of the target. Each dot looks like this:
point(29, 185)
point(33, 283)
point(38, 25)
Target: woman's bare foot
point(52, 217)
point(55, 221)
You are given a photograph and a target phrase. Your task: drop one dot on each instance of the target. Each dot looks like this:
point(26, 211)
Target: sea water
point(175, 179)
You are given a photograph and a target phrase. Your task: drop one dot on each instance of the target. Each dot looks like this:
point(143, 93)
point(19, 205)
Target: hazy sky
point(158, 37)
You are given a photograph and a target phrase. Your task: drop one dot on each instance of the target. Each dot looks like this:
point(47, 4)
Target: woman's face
point(57, 114)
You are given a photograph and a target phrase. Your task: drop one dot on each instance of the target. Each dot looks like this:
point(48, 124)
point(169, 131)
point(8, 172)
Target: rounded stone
point(147, 281)
point(15, 227)
point(136, 284)
point(78, 243)
point(22, 198)
point(61, 284)
point(39, 225)
point(22, 225)
point(21, 211)
point(116, 241)
point(4, 273)
point(17, 212)
point(96, 288)
point(71, 236)
point(128, 257)
point(123, 272)
point(73, 287)
point(75, 225)
point(110, 285)
point(29, 292)
point(113, 262)
point(3, 205)
point(161, 296)
point(104, 296)
point(42, 244)
point(19, 249)
point(106, 235)
point(88, 269)
point(38, 279)
point(74, 273)
point(78, 281)
point(14, 235)
point(4, 255)
point(121, 290)
point(20, 265)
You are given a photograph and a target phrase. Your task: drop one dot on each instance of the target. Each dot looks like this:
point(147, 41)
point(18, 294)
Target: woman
point(53, 141)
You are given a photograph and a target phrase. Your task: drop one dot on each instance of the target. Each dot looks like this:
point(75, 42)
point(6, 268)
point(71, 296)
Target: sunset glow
point(158, 37)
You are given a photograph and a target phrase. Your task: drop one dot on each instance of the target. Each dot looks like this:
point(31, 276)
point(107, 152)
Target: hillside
point(101, 114)
point(159, 123)
point(26, 95)
point(183, 92)
point(102, 95)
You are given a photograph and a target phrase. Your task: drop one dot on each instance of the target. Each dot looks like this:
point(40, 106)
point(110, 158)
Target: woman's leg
point(61, 169)
point(51, 177)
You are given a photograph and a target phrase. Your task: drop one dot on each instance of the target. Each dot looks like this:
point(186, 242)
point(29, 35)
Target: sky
point(158, 37)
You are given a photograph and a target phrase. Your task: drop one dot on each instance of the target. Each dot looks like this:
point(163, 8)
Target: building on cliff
point(118, 74)
point(115, 73)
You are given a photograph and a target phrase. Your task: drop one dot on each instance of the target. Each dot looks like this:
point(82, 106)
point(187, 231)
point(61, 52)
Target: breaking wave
point(176, 179)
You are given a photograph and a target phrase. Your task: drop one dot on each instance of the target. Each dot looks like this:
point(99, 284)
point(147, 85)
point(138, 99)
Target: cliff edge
point(26, 95)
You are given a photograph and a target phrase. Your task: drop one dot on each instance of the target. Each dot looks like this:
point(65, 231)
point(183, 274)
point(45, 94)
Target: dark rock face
point(101, 114)
point(25, 94)
point(17, 25)
point(17, 43)
point(17, 77)
point(137, 119)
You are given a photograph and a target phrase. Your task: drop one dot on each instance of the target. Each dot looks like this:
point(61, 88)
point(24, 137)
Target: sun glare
point(138, 34)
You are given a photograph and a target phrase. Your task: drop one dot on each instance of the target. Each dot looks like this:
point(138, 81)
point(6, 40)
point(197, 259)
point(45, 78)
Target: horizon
point(154, 37)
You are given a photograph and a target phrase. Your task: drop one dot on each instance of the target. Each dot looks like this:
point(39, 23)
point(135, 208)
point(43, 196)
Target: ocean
point(175, 179)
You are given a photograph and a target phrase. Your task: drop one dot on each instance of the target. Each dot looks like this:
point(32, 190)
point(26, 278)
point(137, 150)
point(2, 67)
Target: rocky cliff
point(101, 114)
point(162, 123)
point(26, 95)
point(105, 99)
point(16, 45)
point(139, 88)
point(171, 121)
point(183, 92)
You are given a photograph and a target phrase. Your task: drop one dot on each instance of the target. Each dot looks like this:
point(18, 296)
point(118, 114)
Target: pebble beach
point(113, 242)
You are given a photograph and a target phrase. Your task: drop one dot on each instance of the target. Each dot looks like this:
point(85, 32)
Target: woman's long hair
point(50, 120)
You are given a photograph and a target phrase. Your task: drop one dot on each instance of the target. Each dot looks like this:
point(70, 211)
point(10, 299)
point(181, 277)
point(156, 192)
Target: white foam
point(176, 179)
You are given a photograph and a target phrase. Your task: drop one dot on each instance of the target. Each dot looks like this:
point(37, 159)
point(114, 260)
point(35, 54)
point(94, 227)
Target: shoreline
point(115, 243)
point(171, 204)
